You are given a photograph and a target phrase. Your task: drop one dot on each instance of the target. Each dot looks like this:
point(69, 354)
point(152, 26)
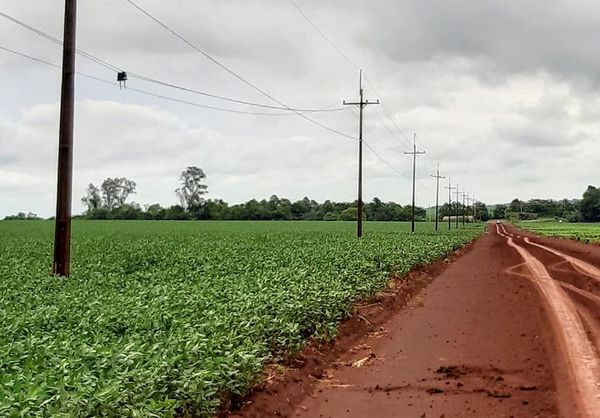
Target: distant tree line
point(109, 201)
point(274, 208)
point(586, 209)
point(479, 212)
point(22, 216)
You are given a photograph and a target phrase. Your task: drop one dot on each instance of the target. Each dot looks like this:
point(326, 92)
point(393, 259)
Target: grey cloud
point(560, 37)
point(493, 90)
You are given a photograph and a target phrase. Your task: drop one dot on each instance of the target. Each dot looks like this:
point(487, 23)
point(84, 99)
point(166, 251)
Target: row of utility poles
point(466, 200)
point(62, 232)
point(361, 104)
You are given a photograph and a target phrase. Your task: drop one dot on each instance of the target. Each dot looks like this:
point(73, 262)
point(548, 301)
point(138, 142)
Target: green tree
point(330, 216)
point(590, 205)
point(350, 214)
point(499, 212)
point(192, 187)
point(92, 198)
point(116, 191)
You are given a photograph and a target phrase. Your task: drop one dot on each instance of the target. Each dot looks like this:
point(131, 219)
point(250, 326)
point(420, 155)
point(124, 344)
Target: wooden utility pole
point(414, 153)
point(469, 200)
point(450, 188)
point(463, 194)
point(457, 192)
point(361, 105)
point(437, 196)
point(62, 226)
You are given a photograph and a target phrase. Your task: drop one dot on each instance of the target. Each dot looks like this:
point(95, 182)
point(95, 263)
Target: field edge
point(284, 385)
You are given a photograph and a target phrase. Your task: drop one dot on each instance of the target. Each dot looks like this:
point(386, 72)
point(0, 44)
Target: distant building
point(468, 218)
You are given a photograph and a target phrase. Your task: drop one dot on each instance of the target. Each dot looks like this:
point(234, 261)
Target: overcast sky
point(504, 95)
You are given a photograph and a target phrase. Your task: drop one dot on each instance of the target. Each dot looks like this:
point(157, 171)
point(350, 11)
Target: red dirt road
point(511, 329)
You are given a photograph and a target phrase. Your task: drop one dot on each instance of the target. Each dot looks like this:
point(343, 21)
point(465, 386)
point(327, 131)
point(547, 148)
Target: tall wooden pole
point(62, 229)
point(450, 188)
point(359, 212)
point(464, 196)
point(361, 105)
point(414, 153)
point(437, 197)
point(457, 192)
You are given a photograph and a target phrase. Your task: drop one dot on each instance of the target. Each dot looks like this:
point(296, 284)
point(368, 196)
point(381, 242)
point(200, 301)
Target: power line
point(329, 41)
point(388, 114)
point(59, 42)
point(383, 160)
point(377, 154)
point(351, 62)
point(148, 93)
point(112, 83)
point(391, 119)
point(233, 73)
point(389, 130)
point(115, 68)
point(169, 98)
point(245, 102)
point(221, 109)
point(343, 55)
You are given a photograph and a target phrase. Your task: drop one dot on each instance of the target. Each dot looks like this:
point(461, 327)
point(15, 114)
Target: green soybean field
point(177, 318)
point(586, 232)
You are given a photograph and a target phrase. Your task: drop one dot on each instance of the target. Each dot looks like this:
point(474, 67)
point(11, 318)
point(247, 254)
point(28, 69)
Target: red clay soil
point(489, 337)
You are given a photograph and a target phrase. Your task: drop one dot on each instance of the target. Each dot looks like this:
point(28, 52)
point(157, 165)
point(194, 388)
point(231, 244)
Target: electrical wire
point(146, 92)
point(115, 68)
point(189, 90)
point(388, 114)
point(58, 41)
point(351, 62)
point(233, 73)
point(372, 149)
point(112, 83)
point(343, 55)
point(329, 41)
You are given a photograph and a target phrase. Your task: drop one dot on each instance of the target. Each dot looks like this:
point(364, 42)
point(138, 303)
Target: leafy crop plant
point(175, 318)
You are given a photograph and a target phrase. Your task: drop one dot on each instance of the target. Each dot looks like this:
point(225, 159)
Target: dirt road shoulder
point(475, 343)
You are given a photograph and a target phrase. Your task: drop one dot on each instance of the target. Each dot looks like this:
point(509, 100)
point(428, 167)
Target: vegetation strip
point(586, 232)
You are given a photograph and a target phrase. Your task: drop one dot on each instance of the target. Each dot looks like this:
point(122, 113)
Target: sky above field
point(503, 95)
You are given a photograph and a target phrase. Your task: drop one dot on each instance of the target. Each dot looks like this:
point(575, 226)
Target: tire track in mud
point(577, 343)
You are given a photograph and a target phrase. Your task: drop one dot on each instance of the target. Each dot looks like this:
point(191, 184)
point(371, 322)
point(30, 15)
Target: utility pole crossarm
point(365, 103)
